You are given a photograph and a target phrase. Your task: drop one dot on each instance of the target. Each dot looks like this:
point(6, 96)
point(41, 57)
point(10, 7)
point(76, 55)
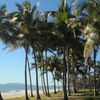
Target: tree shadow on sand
point(1, 96)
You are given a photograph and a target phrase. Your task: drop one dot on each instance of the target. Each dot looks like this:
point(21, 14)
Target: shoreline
point(16, 94)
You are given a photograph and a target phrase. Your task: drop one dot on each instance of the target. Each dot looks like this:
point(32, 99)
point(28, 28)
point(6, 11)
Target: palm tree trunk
point(84, 82)
point(74, 75)
point(45, 90)
point(48, 93)
point(42, 81)
point(37, 85)
point(95, 72)
point(99, 84)
point(58, 87)
point(30, 78)
point(90, 80)
point(54, 84)
point(64, 3)
point(68, 87)
point(74, 84)
point(1, 96)
point(26, 93)
point(55, 92)
point(64, 75)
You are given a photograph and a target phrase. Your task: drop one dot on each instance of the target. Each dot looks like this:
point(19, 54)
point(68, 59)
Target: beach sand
point(11, 95)
point(18, 94)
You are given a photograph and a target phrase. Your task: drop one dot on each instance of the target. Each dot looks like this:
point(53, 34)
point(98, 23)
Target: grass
point(81, 95)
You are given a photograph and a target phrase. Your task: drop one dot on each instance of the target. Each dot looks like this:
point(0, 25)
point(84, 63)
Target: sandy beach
point(21, 93)
point(12, 94)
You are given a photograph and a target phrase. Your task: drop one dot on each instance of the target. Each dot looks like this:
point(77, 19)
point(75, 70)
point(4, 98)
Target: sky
point(12, 63)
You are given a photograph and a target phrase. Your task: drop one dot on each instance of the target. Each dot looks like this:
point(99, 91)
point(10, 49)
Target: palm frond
point(12, 15)
point(3, 7)
point(3, 11)
point(73, 2)
point(33, 10)
point(27, 5)
point(20, 8)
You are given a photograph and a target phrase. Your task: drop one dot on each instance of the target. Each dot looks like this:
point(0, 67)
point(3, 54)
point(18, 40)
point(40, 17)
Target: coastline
point(17, 94)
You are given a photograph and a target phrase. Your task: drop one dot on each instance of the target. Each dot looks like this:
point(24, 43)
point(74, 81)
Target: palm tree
point(31, 32)
point(26, 18)
point(7, 26)
point(36, 68)
point(42, 68)
point(26, 59)
point(91, 20)
point(66, 25)
point(47, 75)
point(98, 73)
point(89, 10)
point(30, 77)
point(51, 68)
point(56, 71)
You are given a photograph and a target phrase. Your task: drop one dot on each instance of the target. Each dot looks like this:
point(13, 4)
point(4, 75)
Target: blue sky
point(12, 63)
point(44, 4)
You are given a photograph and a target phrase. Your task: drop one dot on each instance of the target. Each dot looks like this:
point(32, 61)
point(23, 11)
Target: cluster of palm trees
point(70, 33)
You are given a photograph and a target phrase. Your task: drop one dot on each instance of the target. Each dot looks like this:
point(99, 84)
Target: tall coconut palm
point(51, 69)
point(90, 12)
point(46, 45)
point(30, 77)
point(91, 24)
point(56, 70)
point(31, 27)
point(66, 24)
point(26, 18)
point(2, 16)
point(7, 26)
point(26, 59)
point(48, 93)
point(42, 68)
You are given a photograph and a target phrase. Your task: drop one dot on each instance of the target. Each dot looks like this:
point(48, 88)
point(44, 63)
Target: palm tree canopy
point(89, 14)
